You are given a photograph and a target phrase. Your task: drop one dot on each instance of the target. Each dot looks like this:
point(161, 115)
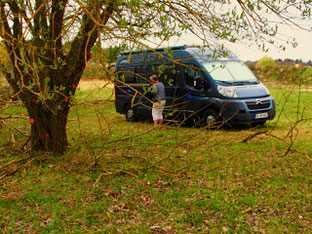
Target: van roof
point(181, 53)
point(164, 49)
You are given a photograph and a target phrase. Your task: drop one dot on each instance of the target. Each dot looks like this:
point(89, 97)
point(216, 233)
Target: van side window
point(127, 74)
point(190, 72)
point(167, 73)
point(143, 73)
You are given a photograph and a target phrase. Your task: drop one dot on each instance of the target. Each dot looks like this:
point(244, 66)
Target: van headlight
point(227, 91)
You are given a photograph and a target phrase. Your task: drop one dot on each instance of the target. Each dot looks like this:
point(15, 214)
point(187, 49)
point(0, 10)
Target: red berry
point(74, 86)
point(46, 134)
point(31, 120)
point(66, 99)
point(33, 100)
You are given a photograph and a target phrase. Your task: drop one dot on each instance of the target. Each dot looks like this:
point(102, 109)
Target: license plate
point(261, 115)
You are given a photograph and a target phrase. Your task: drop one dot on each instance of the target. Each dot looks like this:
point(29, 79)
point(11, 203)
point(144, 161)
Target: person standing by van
point(159, 100)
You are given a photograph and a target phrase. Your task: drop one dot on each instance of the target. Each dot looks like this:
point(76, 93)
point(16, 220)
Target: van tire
point(211, 118)
point(130, 114)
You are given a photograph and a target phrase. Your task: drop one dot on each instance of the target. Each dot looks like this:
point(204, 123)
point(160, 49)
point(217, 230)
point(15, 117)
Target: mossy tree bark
point(45, 72)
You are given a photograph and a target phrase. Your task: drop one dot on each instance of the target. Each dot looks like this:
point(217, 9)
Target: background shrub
point(307, 75)
point(267, 63)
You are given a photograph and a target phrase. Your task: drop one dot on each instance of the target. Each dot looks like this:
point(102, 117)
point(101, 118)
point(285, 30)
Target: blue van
point(199, 88)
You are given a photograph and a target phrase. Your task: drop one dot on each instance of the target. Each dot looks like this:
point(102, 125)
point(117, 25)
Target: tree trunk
point(99, 49)
point(48, 129)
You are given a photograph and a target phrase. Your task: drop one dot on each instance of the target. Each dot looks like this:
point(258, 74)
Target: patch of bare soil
point(6, 92)
point(3, 82)
point(94, 84)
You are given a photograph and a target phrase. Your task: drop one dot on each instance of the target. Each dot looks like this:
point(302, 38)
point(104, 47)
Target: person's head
point(154, 78)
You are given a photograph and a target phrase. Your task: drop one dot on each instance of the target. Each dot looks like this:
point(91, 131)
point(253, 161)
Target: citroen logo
point(258, 102)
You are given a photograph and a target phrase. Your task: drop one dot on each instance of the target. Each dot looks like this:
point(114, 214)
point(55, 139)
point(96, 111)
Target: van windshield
point(230, 72)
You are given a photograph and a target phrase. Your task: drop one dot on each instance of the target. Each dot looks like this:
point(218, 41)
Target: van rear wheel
point(130, 114)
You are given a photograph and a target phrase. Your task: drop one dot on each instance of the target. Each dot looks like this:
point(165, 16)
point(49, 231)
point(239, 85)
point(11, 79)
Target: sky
point(250, 51)
point(302, 51)
point(286, 31)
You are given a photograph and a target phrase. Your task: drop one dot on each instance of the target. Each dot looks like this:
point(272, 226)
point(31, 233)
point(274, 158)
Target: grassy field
point(129, 178)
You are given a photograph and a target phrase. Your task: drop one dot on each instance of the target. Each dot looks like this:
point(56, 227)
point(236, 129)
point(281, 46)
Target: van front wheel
point(210, 118)
point(130, 114)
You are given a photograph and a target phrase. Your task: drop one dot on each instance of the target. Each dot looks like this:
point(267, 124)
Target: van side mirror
point(199, 82)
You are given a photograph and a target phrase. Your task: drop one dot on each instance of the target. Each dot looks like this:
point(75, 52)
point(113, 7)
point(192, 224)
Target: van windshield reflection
point(230, 72)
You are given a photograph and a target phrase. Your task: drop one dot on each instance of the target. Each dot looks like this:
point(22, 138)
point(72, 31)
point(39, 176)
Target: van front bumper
point(248, 110)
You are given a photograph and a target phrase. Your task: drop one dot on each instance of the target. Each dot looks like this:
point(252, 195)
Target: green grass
point(127, 177)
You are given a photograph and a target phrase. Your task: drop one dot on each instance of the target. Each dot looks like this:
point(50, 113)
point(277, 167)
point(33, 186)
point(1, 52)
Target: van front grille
point(256, 105)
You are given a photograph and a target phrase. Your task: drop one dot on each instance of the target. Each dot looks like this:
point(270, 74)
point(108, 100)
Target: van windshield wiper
point(244, 82)
point(224, 82)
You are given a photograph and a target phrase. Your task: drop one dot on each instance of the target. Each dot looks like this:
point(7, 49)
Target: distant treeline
point(287, 61)
point(286, 73)
point(267, 69)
